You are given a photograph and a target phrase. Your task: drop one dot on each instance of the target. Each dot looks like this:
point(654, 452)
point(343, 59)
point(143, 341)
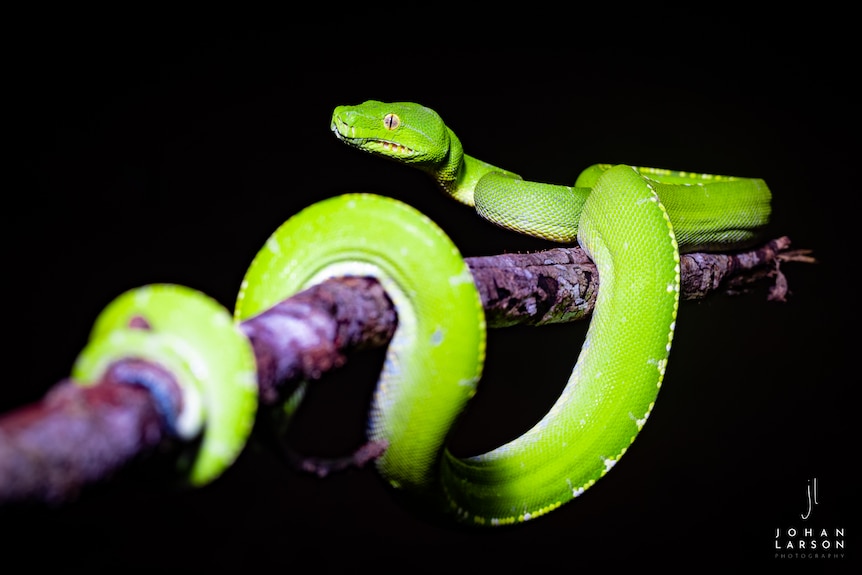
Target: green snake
point(632, 222)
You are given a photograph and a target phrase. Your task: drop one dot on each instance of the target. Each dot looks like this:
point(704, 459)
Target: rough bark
point(307, 335)
point(560, 285)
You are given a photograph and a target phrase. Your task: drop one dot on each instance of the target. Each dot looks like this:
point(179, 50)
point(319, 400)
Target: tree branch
point(81, 435)
point(560, 285)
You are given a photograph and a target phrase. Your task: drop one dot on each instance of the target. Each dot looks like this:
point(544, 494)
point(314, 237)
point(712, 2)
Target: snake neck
point(458, 173)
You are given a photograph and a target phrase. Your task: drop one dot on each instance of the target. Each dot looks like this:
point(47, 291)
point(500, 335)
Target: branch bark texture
point(81, 435)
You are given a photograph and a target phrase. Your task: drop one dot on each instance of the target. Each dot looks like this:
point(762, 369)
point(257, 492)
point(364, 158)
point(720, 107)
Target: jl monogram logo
point(811, 502)
point(811, 541)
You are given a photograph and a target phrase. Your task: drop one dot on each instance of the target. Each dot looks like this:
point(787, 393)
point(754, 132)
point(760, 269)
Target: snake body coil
point(631, 221)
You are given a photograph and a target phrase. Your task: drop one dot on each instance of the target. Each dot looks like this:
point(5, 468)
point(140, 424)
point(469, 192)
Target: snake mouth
point(391, 148)
point(374, 145)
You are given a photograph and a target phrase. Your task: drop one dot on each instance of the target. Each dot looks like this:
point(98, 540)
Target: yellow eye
point(391, 121)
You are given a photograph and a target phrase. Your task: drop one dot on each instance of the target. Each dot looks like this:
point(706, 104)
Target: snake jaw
point(384, 148)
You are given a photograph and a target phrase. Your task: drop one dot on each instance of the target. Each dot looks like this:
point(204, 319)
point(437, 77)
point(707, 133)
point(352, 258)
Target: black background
point(170, 153)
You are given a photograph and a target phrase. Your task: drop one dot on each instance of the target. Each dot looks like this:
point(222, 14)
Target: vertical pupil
point(390, 121)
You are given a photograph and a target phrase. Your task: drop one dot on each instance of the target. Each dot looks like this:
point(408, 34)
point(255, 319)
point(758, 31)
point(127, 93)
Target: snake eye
point(391, 121)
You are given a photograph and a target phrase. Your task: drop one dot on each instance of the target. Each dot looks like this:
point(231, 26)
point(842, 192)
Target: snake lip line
point(373, 145)
point(365, 142)
point(394, 147)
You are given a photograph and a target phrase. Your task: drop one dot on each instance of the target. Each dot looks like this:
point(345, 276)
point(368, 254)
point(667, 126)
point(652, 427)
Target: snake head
point(401, 131)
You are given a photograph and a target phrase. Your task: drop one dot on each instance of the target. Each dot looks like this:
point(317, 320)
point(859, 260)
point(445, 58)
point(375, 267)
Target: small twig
point(322, 467)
